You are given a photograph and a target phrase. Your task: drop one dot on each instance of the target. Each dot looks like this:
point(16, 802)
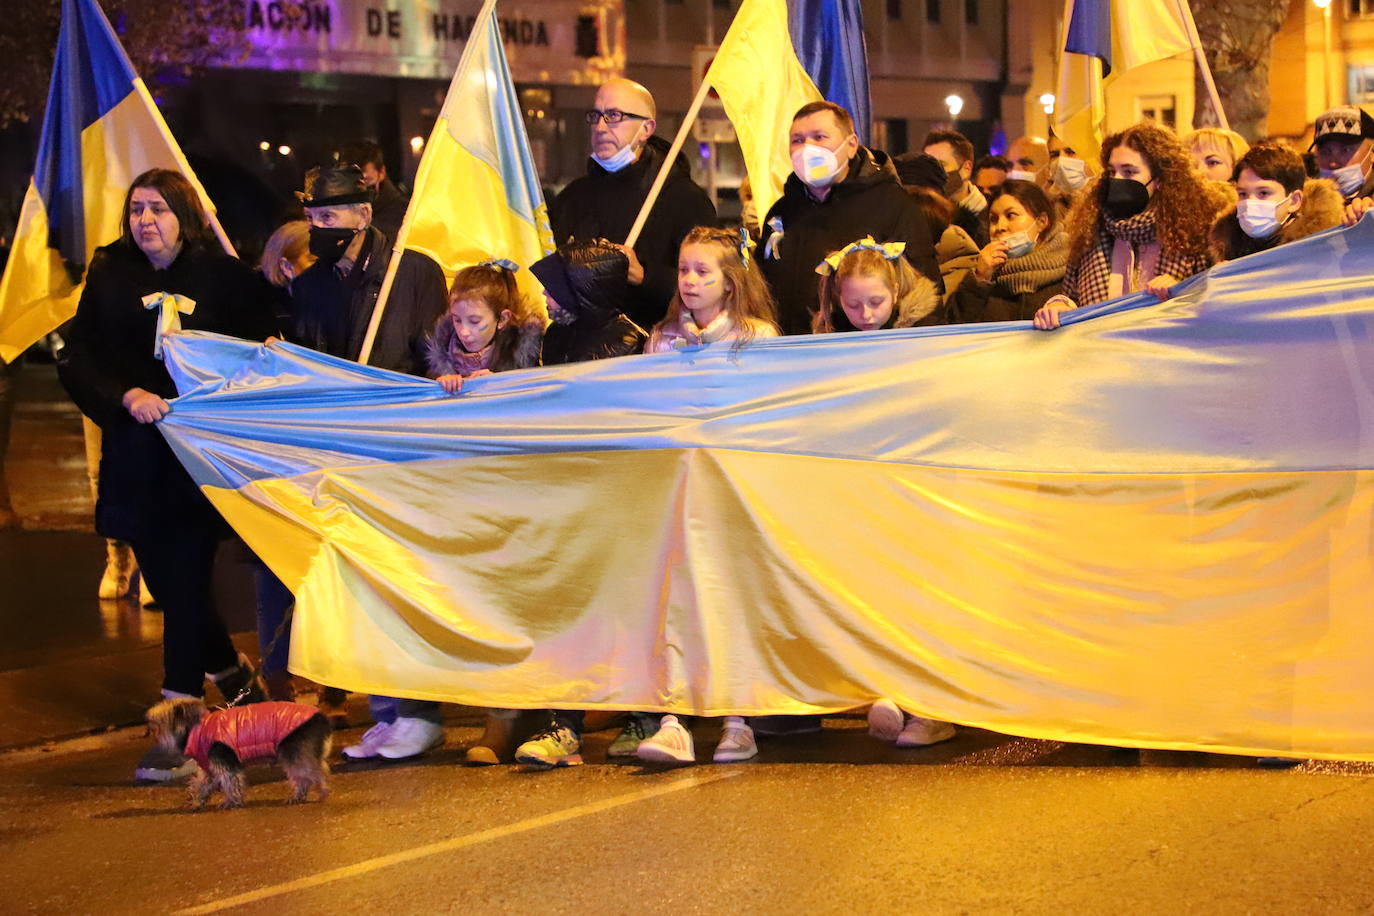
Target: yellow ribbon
point(173, 306)
point(890, 250)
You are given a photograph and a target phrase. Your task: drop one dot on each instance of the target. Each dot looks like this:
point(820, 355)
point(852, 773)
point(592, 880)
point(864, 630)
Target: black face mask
point(954, 182)
point(329, 244)
point(1123, 198)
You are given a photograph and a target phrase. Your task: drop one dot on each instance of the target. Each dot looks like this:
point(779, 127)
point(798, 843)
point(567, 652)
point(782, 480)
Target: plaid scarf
point(1087, 280)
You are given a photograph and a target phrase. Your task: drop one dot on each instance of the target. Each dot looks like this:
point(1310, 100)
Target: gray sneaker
point(161, 765)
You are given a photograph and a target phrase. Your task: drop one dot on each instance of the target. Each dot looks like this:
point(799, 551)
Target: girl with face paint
point(490, 326)
point(1144, 225)
point(1278, 203)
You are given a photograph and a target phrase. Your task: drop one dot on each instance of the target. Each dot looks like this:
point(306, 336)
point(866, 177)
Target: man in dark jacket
point(388, 203)
point(332, 300)
point(332, 304)
point(839, 192)
point(626, 157)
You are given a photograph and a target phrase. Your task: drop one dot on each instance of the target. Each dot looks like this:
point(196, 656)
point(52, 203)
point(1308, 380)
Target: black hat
point(1347, 121)
point(335, 186)
point(921, 170)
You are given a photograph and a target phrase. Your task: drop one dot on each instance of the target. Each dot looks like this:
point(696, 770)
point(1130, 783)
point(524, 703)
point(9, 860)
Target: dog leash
point(266, 653)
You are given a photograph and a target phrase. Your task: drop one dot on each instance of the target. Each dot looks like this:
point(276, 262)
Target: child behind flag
point(867, 286)
point(489, 327)
point(721, 296)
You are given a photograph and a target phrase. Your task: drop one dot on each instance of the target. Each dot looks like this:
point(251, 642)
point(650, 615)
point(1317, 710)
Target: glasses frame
point(593, 115)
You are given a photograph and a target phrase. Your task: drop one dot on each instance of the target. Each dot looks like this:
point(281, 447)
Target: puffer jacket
point(588, 279)
point(252, 732)
point(957, 252)
point(1322, 208)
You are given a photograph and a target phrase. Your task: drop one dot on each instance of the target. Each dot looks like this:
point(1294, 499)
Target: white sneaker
point(672, 743)
point(736, 742)
point(371, 740)
point(920, 732)
point(411, 737)
point(885, 720)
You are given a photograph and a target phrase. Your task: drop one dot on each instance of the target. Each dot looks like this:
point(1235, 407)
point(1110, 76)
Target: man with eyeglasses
point(625, 158)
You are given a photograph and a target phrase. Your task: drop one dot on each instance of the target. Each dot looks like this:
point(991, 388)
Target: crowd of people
point(859, 241)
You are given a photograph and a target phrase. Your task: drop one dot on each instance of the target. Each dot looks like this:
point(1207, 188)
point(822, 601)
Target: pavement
point(829, 823)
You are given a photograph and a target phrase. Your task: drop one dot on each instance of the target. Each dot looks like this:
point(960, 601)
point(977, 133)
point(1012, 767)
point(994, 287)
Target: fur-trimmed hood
point(524, 352)
point(925, 306)
point(1322, 208)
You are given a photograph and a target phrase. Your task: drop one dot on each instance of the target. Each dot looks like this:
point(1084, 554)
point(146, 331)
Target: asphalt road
point(834, 823)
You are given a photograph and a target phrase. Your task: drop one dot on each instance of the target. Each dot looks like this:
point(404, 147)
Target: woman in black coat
point(164, 272)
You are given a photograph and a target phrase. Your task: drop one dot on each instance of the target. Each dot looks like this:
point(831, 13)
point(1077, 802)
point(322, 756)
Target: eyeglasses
point(612, 116)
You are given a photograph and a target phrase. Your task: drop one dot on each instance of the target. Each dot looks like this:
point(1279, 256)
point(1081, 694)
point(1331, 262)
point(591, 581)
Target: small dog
point(226, 741)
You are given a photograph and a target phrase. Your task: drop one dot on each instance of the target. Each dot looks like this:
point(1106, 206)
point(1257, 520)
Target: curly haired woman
point(1144, 225)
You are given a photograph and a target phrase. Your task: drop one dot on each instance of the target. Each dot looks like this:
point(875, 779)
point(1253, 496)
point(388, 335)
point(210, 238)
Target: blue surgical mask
point(621, 158)
point(1258, 218)
point(1019, 244)
point(1349, 179)
point(1070, 174)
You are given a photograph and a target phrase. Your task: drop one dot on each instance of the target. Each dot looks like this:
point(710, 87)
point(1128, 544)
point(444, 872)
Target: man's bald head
point(1029, 154)
point(632, 100)
point(626, 95)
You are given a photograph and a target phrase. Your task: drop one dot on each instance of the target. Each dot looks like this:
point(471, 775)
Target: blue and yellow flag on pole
point(1153, 527)
point(777, 56)
point(477, 192)
point(101, 130)
point(1103, 39)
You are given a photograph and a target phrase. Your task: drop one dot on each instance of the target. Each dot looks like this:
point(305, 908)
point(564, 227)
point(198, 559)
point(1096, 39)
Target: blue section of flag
point(828, 36)
point(1090, 31)
point(1222, 354)
point(90, 76)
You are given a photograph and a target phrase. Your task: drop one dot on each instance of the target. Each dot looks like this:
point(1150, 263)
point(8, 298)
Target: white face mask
point(1070, 174)
point(1258, 218)
point(621, 158)
point(815, 165)
point(1018, 175)
point(1349, 179)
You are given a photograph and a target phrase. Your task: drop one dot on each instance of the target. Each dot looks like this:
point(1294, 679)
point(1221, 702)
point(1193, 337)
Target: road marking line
point(471, 839)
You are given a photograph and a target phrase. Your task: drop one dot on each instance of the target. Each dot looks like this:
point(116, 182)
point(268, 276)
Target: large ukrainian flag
point(777, 56)
point(477, 194)
point(1153, 527)
point(100, 131)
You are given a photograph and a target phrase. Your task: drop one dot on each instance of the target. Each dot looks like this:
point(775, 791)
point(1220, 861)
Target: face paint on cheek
point(709, 282)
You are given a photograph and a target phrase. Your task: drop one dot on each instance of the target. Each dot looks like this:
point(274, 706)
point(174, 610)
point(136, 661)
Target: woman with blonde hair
point(1145, 223)
point(1215, 151)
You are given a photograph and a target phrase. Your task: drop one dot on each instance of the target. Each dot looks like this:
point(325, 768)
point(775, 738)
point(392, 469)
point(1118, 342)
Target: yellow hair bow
point(173, 306)
point(890, 250)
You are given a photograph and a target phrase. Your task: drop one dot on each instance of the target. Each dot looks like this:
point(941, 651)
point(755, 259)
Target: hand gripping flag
point(101, 130)
point(1152, 527)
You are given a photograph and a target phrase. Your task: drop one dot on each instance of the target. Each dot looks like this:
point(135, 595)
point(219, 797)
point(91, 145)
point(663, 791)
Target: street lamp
point(955, 104)
point(1047, 103)
point(1325, 7)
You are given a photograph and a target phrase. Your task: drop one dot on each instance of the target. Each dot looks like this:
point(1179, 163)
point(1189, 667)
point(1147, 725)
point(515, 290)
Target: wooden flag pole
point(1196, 41)
point(687, 121)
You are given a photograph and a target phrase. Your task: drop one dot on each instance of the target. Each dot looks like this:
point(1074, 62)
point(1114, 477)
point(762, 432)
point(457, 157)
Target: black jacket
point(109, 349)
point(588, 280)
point(976, 301)
point(603, 205)
point(869, 201)
point(331, 313)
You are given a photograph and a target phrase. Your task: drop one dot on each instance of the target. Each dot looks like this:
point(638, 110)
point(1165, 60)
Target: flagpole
point(1186, 14)
point(687, 121)
point(421, 179)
